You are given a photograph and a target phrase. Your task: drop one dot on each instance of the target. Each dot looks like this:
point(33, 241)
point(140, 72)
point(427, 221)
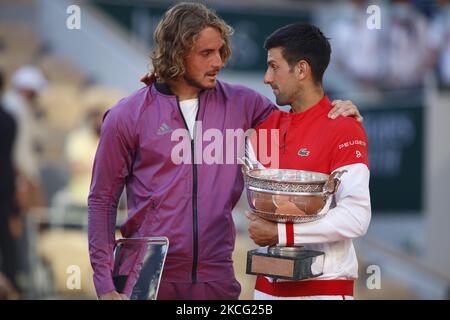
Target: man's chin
point(281, 102)
point(202, 84)
point(210, 84)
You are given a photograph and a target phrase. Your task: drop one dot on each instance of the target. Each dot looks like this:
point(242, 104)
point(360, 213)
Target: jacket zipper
point(194, 193)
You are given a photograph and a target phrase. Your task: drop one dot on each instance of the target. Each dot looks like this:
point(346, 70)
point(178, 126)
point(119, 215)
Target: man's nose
point(268, 78)
point(217, 62)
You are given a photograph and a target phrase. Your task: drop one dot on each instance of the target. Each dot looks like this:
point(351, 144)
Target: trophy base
point(290, 263)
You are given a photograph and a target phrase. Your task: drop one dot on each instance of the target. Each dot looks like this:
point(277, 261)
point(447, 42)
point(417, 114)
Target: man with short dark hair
point(297, 58)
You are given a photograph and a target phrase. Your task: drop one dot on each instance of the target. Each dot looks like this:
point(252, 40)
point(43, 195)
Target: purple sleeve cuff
point(103, 286)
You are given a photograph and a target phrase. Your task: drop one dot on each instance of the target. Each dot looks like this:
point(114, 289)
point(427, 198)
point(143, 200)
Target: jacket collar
point(163, 88)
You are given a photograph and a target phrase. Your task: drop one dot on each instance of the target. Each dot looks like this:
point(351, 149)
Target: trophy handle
point(333, 182)
point(247, 165)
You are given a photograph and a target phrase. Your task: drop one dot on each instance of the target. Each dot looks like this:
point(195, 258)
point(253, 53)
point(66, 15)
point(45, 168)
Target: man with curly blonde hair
point(190, 203)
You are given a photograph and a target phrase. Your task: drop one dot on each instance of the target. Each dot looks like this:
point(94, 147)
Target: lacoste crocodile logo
point(303, 152)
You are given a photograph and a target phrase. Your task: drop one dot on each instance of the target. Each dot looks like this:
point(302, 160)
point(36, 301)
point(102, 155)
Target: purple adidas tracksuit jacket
point(188, 203)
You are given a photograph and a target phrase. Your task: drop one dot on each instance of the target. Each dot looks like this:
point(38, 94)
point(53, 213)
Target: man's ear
point(300, 69)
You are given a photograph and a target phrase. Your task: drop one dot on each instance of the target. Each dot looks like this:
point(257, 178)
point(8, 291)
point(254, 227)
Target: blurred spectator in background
point(407, 31)
point(439, 43)
point(21, 102)
point(80, 146)
point(8, 249)
point(358, 52)
point(80, 149)
point(393, 57)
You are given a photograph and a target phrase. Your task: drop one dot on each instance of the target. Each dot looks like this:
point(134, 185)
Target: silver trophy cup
point(288, 196)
